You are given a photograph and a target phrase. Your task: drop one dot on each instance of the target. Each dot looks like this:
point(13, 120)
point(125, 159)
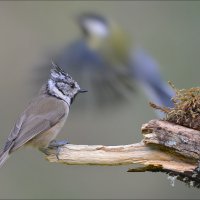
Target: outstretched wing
point(42, 114)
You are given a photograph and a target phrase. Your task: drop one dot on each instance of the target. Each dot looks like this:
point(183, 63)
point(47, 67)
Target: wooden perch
point(166, 147)
point(117, 155)
point(165, 144)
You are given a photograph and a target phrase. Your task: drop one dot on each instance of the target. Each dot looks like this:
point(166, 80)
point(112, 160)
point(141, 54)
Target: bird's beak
point(82, 91)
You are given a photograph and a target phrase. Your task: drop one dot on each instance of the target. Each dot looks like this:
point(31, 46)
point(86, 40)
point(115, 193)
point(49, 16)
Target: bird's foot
point(57, 143)
point(54, 146)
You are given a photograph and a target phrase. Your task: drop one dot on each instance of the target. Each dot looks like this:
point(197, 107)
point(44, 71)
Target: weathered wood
point(179, 139)
point(166, 147)
point(118, 155)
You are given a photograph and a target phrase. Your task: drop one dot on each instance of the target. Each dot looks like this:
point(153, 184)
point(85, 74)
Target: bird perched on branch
point(104, 60)
point(44, 117)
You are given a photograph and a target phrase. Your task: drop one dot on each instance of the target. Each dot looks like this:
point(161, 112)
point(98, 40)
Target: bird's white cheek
point(98, 29)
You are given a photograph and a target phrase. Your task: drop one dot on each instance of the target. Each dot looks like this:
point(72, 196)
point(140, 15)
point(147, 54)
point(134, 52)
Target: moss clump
point(186, 111)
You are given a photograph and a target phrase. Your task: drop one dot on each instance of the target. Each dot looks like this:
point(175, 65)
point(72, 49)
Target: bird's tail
point(4, 155)
point(160, 95)
point(146, 71)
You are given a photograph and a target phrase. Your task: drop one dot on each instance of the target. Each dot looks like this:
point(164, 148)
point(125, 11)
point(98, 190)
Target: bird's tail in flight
point(146, 71)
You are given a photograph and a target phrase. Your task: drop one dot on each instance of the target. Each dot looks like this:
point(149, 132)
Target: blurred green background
point(28, 30)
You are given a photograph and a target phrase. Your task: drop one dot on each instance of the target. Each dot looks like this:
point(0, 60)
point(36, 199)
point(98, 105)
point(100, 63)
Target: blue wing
point(146, 71)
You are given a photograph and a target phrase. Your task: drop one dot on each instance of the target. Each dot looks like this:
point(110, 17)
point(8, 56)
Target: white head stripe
point(57, 93)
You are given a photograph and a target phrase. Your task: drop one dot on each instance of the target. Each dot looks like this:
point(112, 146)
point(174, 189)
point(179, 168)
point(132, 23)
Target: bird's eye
point(72, 85)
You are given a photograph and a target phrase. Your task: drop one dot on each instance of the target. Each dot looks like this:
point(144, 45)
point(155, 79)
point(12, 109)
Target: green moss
point(186, 111)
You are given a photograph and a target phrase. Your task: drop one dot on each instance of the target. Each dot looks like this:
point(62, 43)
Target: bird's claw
point(57, 143)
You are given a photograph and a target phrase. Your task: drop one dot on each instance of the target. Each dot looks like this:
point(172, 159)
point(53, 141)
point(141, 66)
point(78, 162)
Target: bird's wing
point(146, 71)
point(43, 113)
point(41, 125)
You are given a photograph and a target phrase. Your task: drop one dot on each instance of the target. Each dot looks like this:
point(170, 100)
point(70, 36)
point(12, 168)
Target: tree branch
point(117, 155)
point(166, 147)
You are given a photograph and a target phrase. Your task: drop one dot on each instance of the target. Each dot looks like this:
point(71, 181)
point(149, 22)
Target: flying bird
point(104, 60)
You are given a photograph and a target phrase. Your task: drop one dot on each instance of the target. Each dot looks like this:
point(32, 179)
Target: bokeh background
point(28, 31)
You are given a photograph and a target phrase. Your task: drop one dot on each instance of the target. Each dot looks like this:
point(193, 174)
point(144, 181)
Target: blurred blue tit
point(104, 61)
point(95, 61)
